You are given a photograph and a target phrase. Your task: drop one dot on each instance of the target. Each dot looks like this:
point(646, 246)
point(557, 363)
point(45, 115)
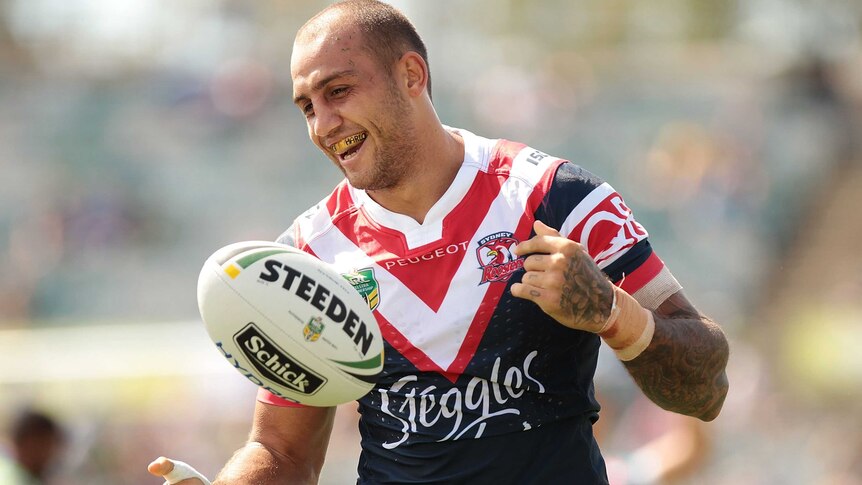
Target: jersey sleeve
point(288, 237)
point(267, 397)
point(589, 211)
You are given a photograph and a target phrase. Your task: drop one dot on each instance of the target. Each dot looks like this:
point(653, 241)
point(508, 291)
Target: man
point(493, 263)
point(37, 442)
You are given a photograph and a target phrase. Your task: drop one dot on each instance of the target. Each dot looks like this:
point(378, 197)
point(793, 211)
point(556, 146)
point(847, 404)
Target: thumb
point(176, 472)
point(161, 466)
point(543, 229)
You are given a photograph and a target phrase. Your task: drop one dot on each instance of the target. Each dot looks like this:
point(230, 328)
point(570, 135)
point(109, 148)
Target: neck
point(441, 156)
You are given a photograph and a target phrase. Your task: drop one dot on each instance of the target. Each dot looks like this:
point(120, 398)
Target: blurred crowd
point(136, 137)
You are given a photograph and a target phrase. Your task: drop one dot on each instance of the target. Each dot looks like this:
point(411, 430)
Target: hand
point(563, 280)
point(162, 467)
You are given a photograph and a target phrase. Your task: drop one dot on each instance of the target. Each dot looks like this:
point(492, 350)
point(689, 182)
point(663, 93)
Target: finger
point(522, 290)
point(546, 280)
point(176, 472)
point(532, 278)
point(544, 262)
point(547, 300)
point(539, 244)
point(543, 229)
point(160, 466)
point(540, 296)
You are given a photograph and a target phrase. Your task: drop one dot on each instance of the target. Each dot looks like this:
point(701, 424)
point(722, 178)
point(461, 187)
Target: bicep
point(677, 305)
point(296, 434)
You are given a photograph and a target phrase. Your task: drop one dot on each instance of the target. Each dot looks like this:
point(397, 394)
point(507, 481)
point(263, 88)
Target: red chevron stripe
point(495, 291)
point(388, 247)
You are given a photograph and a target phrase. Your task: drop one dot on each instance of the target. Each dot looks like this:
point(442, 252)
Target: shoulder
point(320, 217)
point(541, 168)
point(570, 175)
point(508, 158)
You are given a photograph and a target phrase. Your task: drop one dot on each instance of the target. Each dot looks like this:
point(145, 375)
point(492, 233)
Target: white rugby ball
point(290, 323)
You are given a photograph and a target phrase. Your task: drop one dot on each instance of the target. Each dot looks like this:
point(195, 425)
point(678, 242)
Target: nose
point(326, 120)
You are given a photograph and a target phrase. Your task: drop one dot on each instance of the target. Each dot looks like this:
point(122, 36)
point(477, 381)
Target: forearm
point(255, 463)
point(286, 445)
point(683, 368)
point(676, 355)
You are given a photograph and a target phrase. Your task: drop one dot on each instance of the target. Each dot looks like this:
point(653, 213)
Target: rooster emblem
point(496, 258)
point(499, 254)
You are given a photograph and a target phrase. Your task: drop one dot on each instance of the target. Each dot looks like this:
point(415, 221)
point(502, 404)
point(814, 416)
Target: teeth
point(343, 145)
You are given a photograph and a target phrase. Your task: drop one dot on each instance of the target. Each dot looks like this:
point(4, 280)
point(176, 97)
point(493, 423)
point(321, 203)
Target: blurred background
point(138, 136)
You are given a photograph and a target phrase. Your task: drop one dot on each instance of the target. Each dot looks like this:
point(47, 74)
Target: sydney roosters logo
point(496, 258)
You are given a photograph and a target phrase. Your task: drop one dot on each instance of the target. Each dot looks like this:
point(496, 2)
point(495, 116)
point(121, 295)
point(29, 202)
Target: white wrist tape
point(628, 353)
point(612, 318)
point(183, 471)
point(630, 327)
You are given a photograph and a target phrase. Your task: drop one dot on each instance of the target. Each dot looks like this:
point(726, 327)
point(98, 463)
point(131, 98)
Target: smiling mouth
point(345, 145)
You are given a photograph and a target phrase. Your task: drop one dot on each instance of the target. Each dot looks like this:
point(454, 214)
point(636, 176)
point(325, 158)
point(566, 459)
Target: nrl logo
point(313, 329)
point(496, 258)
point(365, 283)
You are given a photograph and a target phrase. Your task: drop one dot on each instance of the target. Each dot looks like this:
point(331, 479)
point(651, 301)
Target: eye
point(338, 92)
point(307, 109)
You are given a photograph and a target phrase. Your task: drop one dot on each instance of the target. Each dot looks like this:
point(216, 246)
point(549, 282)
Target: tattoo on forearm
point(587, 293)
point(683, 369)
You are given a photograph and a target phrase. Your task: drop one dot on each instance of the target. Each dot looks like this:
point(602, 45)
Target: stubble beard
point(396, 148)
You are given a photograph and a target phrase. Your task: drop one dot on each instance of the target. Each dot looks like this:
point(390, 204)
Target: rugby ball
point(290, 323)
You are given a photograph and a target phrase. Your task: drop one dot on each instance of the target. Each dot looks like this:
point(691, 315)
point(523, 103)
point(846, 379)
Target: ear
point(414, 72)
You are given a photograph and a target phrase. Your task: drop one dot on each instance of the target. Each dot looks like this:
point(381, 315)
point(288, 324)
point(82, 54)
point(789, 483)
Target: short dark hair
point(388, 33)
point(32, 423)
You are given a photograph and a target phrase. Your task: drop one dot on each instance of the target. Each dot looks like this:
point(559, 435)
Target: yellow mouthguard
point(346, 143)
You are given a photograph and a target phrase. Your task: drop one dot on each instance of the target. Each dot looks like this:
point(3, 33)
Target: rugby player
point(497, 270)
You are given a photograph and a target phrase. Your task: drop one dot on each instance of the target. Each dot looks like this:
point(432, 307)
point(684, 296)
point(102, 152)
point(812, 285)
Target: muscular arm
point(683, 368)
point(286, 445)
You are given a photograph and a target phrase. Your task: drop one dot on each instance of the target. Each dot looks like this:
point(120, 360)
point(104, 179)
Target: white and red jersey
point(470, 369)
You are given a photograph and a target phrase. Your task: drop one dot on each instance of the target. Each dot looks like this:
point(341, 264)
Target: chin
point(366, 184)
point(358, 182)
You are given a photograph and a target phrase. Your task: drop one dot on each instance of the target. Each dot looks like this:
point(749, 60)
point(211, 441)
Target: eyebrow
point(323, 82)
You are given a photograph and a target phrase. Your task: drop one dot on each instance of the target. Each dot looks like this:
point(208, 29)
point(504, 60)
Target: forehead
point(317, 52)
